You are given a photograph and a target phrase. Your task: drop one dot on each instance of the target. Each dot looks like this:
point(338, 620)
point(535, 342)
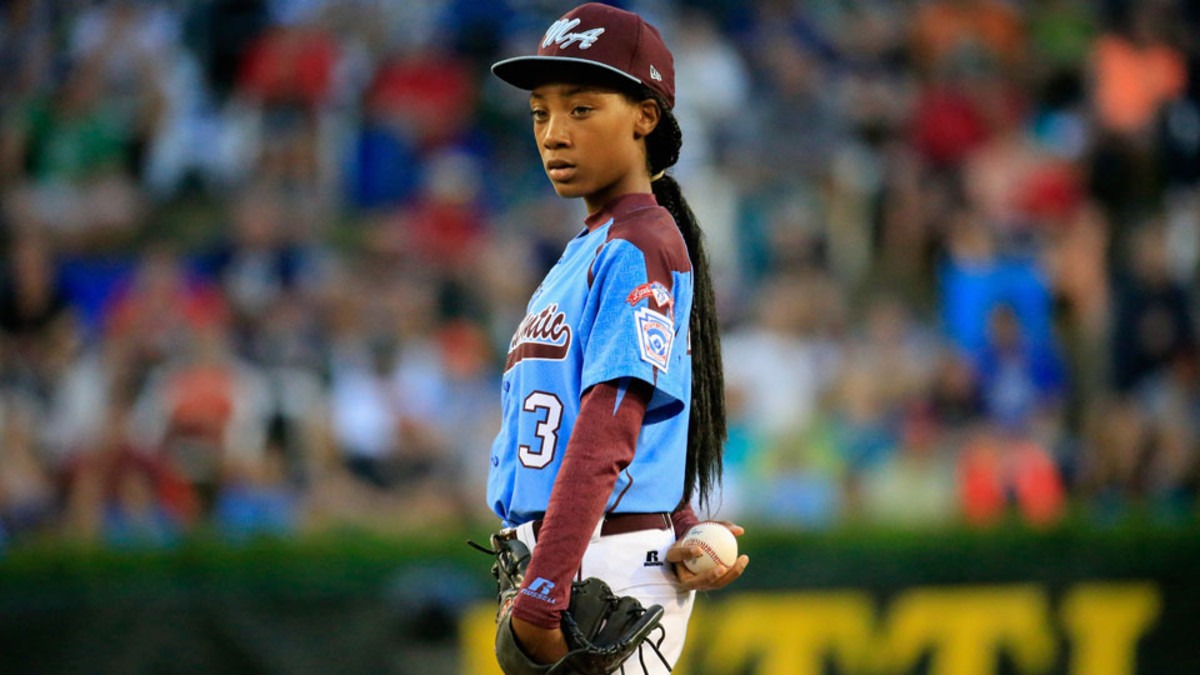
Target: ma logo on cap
point(557, 33)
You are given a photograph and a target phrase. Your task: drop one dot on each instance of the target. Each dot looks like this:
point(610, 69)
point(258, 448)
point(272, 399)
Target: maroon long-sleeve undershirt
point(602, 444)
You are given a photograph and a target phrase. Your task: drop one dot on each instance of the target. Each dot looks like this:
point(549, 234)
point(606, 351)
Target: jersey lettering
point(541, 335)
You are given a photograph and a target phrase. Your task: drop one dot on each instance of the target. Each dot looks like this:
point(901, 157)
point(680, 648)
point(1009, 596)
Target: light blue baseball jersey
point(616, 305)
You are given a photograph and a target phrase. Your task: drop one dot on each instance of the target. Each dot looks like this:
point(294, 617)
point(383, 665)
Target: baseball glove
point(602, 629)
point(512, 559)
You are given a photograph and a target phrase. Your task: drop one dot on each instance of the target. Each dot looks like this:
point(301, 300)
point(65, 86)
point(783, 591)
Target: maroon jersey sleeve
point(602, 444)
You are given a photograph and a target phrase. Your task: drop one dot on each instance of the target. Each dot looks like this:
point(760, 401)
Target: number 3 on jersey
point(546, 431)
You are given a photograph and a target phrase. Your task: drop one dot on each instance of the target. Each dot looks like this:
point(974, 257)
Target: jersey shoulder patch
point(655, 334)
point(654, 290)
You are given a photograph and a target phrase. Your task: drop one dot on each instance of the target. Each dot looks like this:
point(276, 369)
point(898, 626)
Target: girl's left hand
point(542, 645)
point(715, 578)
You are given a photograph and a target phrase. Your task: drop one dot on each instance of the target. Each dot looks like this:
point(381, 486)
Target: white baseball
point(716, 543)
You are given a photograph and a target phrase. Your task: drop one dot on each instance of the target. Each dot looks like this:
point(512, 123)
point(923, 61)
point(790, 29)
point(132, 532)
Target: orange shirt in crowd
point(1132, 82)
point(942, 27)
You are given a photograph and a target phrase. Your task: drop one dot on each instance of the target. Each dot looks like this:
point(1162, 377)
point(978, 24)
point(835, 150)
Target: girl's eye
point(581, 110)
point(538, 115)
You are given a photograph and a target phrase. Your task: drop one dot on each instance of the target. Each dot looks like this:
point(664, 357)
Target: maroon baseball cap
point(597, 42)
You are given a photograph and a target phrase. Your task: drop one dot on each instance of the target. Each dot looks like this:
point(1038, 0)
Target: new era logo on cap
point(654, 74)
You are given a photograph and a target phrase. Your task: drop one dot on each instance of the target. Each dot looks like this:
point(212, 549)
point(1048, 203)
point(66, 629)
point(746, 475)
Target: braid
point(706, 428)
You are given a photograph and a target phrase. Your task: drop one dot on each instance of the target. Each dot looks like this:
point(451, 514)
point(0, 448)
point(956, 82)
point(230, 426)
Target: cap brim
point(531, 72)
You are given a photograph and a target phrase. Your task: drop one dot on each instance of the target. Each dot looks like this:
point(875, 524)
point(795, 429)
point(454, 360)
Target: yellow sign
point(961, 630)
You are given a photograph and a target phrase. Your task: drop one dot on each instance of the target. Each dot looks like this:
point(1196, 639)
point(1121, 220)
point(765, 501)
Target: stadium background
point(261, 260)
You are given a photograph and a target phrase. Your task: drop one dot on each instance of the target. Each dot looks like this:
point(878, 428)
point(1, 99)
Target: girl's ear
point(647, 117)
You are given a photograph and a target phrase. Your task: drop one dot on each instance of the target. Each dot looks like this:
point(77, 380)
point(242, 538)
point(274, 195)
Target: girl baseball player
point(612, 392)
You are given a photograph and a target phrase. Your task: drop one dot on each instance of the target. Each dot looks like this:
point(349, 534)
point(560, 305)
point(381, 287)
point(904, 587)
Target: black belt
point(624, 523)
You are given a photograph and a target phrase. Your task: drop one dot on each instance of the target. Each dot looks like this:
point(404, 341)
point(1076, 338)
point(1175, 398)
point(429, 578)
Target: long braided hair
point(706, 427)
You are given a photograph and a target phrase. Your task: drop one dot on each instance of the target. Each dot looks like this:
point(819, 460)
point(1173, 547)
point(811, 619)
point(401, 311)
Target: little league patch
point(654, 337)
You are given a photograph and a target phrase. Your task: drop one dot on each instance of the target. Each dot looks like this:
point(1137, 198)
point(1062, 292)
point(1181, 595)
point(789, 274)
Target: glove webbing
point(657, 652)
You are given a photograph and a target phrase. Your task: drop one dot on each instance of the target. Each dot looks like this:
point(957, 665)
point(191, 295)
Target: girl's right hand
point(716, 578)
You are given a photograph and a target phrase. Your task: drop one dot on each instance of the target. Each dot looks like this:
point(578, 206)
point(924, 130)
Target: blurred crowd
point(262, 258)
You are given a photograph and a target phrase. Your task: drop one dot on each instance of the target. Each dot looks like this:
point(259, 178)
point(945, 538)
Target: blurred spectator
point(129, 45)
point(999, 470)
point(712, 82)
point(272, 277)
point(286, 76)
point(263, 260)
point(1019, 380)
point(948, 122)
point(384, 167)
point(26, 50)
point(804, 125)
point(1154, 319)
point(202, 411)
point(782, 338)
point(954, 394)
point(800, 458)
point(440, 380)
point(892, 339)
point(26, 489)
point(153, 313)
point(78, 403)
point(429, 95)
point(362, 422)
point(1115, 470)
point(289, 69)
point(117, 492)
point(975, 277)
point(1060, 34)
point(915, 487)
point(134, 515)
point(1013, 180)
point(1136, 71)
point(864, 427)
point(220, 32)
point(445, 220)
point(34, 316)
point(798, 480)
point(947, 30)
point(259, 497)
point(76, 148)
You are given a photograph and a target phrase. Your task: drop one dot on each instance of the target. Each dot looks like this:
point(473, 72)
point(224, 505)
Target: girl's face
point(592, 140)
